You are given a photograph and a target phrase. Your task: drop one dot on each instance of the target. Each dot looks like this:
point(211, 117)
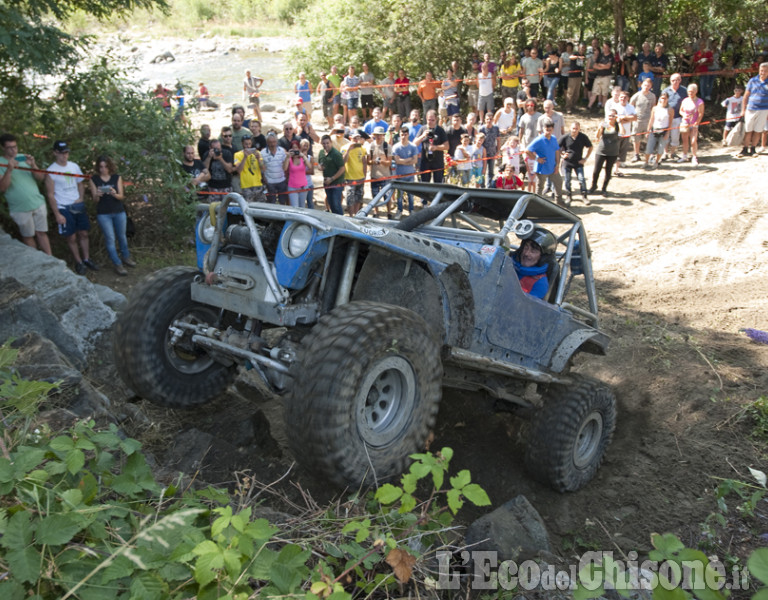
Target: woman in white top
point(660, 120)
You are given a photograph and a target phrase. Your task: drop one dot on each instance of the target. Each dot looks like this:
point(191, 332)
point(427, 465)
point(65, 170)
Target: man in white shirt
point(486, 83)
point(65, 188)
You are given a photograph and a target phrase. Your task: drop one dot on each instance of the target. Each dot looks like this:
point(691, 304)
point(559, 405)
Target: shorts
point(509, 92)
point(640, 129)
point(674, 134)
point(351, 103)
point(534, 90)
point(656, 143)
point(354, 191)
point(755, 120)
point(336, 100)
point(485, 103)
point(254, 194)
point(473, 96)
point(451, 109)
point(254, 101)
point(31, 221)
point(327, 109)
point(388, 102)
point(602, 86)
point(366, 101)
point(731, 124)
point(76, 217)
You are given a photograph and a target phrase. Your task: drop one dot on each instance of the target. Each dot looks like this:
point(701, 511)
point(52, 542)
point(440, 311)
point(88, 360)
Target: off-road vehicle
point(360, 322)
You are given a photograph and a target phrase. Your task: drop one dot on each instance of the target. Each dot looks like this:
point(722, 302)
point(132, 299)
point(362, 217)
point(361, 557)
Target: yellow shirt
point(354, 167)
point(510, 70)
point(251, 174)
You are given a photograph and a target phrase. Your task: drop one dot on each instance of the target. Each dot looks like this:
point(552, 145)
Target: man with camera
point(220, 164)
point(249, 165)
point(25, 202)
point(434, 143)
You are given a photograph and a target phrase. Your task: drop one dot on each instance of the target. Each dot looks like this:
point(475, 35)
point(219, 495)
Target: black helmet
point(544, 239)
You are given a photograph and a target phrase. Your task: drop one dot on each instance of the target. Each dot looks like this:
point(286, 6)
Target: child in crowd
point(508, 179)
point(646, 73)
point(511, 154)
point(478, 160)
point(463, 158)
point(732, 110)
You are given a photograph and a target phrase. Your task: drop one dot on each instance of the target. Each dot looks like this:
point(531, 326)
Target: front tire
point(570, 434)
point(366, 394)
point(179, 376)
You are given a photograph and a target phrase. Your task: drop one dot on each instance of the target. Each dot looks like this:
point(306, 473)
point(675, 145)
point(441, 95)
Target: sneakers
point(636, 158)
point(398, 214)
point(81, 269)
point(761, 150)
point(744, 152)
point(120, 270)
point(90, 264)
point(586, 200)
point(652, 161)
point(682, 159)
point(129, 262)
point(695, 161)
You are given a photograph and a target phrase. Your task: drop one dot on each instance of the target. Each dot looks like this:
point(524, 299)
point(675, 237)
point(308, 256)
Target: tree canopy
point(421, 35)
point(32, 40)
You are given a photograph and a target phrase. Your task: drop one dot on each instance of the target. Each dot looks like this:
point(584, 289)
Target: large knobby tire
point(367, 389)
point(570, 433)
point(171, 376)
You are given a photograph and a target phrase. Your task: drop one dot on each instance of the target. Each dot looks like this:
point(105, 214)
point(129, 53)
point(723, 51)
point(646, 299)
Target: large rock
point(514, 530)
point(72, 299)
point(40, 359)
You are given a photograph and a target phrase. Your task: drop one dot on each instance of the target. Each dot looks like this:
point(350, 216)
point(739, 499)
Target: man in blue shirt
point(545, 150)
point(375, 122)
point(406, 155)
point(754, 110)
point(676, 94)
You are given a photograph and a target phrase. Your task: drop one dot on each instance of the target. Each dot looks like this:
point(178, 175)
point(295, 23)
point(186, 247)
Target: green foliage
point(81, 516)
point(30, 40)
point(447, 31)
point(758, 411)
point(100, 111)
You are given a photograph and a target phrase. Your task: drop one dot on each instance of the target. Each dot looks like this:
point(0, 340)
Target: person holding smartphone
point(25, 202)
point(108, 192)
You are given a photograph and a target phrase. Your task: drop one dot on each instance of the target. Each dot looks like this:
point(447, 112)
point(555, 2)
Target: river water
point(223, 74)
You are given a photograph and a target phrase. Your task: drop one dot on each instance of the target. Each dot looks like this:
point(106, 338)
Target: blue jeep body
point(289, 283)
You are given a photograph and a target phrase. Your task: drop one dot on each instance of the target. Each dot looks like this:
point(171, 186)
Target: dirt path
point(681, 261)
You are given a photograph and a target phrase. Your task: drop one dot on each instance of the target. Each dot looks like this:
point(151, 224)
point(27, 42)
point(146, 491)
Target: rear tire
point(570, 434)
point(182, 376)
point(366, 394)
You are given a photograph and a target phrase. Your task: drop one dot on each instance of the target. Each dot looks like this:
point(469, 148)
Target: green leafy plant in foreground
point(82, 516)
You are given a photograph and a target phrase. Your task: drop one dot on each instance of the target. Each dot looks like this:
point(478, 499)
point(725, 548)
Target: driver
point(531, 261)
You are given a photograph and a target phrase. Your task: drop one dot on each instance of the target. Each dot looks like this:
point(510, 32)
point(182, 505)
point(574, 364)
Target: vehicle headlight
point(205, 229)
point(297, 240)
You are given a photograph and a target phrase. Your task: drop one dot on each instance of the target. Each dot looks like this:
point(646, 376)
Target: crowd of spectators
point(649, 104)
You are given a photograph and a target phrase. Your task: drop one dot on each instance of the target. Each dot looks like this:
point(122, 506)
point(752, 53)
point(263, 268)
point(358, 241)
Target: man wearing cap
point(332, 163)
point(545, 150)
point(249, 165)
point(275, 161)
point(379, 157)
point(356, 163)
point(376, 121)
point(25, 202)
point(66, 196)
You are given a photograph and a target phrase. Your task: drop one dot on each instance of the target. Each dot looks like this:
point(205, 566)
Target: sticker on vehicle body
point(488, 249)
point(376, 232)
